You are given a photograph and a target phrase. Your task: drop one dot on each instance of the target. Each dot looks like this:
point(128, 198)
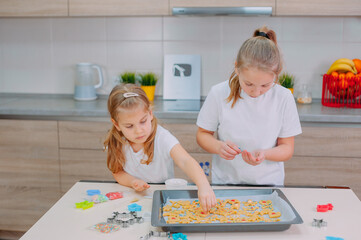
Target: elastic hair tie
point(130, 94)
point(262, 34)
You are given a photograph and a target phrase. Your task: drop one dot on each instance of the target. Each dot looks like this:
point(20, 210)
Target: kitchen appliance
point(243, 11)
point(85, 81)
point(182, 77)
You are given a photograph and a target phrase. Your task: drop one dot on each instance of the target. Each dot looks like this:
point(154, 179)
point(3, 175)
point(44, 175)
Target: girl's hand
point(139, 185)
point(207, 198)
point(253, 159)
point(228, 150)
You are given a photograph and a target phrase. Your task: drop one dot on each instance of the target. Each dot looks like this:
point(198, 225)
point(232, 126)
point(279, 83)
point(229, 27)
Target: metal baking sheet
point(280, 202)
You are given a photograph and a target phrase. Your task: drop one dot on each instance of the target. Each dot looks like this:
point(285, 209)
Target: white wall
point(38, 55)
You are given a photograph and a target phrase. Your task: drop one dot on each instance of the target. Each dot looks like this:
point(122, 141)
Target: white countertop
point(64, 221)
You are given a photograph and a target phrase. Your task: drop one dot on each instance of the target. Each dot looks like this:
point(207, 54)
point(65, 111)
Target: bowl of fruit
point(343, 78)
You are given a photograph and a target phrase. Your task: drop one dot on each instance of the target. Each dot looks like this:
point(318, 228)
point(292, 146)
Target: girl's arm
point(208, 142)
point(281, 153)
point(190, 166)
point(128, 180)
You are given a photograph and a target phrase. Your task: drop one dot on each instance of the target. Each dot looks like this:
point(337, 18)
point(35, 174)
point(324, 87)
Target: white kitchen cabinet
point(33, 8)
point(318, 8)
point(222, 3)
point(118, 8)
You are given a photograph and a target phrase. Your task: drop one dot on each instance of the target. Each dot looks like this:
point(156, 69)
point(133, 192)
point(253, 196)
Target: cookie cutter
point(84, 205)
point(155, 234)
point(92, 192)
point(123, 216)
point(179, 236)
point(134, 214)
point(131, 220)
point(125, 219)
point(111, 220)
point(139, 219)
point(319, 223)
point(333, 238)
point(114, 195)
point(125, 223)
point(324, 208)
point(134, 207)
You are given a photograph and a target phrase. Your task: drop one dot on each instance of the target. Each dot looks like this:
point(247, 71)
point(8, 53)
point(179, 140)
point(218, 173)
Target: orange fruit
point(357, 64)
point(349, 75)
point(343, 84)
point(335, 75)
point(342, 76)
point(358, 77)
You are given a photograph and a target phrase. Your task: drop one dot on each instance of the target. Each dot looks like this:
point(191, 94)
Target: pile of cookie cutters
point(96, 197)
point(125, 219)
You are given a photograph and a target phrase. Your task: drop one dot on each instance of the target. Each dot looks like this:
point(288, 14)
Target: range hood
point(245, 11)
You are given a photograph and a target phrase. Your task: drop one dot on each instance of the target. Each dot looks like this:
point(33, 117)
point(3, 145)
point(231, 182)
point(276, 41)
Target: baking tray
point(280, 202)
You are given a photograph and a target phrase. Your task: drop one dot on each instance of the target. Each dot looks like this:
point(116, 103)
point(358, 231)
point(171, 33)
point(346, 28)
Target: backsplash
point(38, 55)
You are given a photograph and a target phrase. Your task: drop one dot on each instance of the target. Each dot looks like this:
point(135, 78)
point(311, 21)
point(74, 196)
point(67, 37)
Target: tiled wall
point(38, 55)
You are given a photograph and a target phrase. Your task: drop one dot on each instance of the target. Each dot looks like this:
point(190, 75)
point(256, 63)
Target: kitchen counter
point(64, 107)
point(64, 221)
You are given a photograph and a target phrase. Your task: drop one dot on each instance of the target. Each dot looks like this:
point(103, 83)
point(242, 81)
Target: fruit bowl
point(338, 92)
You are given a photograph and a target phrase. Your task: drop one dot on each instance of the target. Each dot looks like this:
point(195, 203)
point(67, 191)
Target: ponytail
point(261, 52)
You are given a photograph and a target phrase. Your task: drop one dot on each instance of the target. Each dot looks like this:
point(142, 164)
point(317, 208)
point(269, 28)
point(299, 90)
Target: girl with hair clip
point(255, 118)
point(141, 151)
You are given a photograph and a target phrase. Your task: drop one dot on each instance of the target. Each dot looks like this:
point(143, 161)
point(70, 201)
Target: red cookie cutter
point(324, 208)
point(114, 195)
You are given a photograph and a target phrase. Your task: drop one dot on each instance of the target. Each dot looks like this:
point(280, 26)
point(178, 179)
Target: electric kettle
point(85, 81)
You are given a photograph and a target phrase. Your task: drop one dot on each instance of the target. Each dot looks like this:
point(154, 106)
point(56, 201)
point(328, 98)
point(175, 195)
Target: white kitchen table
point(64, 221)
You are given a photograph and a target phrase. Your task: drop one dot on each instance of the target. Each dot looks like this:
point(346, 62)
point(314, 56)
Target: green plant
point(148, 79)
point(286, 80)
point(127, 77)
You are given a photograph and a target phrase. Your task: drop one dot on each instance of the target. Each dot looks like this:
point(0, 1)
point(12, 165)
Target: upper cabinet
point(318, 8)
point(33, 8)
point(222, 3)
point(118, 8)
point(58, 8)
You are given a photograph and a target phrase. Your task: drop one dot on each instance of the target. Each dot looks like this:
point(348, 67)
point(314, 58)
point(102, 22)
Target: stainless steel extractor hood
point(245, 11)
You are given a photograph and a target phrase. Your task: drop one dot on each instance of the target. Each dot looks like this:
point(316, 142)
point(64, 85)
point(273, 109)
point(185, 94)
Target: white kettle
point(85, 81)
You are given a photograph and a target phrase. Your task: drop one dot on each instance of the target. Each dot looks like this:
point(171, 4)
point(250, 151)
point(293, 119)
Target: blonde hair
point(260, 51)
point(115, 139)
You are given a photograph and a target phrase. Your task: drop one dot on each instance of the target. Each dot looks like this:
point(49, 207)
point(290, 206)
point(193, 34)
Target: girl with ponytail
point(255, 118)
point(140, 151)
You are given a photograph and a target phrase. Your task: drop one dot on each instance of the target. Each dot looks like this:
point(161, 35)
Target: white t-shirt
point(252, 124)
point(161, 168)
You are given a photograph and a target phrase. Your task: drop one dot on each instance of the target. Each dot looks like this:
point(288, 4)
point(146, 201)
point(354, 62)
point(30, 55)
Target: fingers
point(226, 155)
point(233, 148)
point(248, 158)
point(139, 186)
point(229, 150)
point(208, 201)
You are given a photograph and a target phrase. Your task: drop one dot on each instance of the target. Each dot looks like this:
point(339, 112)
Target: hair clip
point(130, 94)
point(262, 34)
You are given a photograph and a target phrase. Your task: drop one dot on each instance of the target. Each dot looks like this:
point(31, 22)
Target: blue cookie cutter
point(92, 192)
point(134, 207)
point(177, 236)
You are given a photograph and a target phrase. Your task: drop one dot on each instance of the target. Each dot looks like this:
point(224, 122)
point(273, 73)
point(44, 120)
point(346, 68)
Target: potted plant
point(127, 77)
point(287, 80)
point(147, 83)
